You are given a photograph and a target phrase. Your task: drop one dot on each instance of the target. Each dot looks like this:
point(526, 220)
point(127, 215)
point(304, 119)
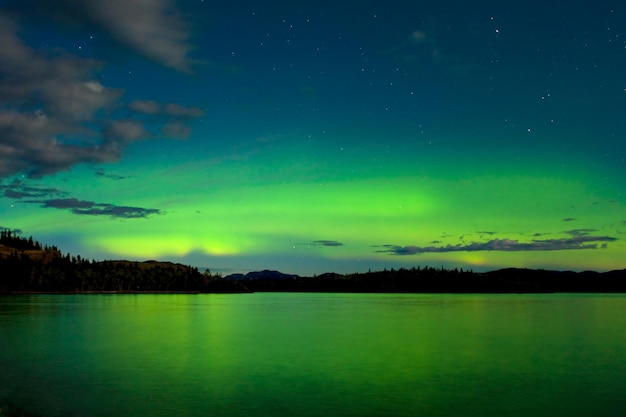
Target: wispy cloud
point(576, 242)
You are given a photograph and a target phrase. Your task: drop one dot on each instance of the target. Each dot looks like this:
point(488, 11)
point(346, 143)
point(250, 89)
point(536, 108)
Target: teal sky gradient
point(320, 137)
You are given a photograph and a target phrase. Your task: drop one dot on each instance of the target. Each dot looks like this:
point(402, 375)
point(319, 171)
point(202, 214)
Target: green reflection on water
point(272, 354)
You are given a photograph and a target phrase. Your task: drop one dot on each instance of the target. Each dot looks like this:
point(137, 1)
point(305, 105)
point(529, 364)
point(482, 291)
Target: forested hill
point(27, 266)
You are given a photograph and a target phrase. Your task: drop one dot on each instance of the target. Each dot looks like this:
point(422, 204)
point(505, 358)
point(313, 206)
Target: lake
point(313, 354)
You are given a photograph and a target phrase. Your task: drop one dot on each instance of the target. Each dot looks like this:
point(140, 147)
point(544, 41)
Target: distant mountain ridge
point(264, 274)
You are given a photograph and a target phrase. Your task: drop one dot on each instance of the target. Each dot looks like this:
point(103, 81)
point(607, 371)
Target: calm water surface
point(274, 354)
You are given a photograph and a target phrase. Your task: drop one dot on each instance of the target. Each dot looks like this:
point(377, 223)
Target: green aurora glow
point(207, 213)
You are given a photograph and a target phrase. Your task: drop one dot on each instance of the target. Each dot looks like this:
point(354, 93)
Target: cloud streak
point(54, 198)
point(576, 242)
point(329, 243)
point(91, 208)
point(19, 189)
point(580, 232)
point(318, 243)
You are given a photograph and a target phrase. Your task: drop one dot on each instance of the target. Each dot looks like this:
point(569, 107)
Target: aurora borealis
point(319, 136)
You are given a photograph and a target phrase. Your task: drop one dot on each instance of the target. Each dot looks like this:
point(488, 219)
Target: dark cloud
point(570, 219)
point(54, 111)
point(42, 99)
point(91, 208)
point(580, 232)
point(67, 203)
point(61, 85)
point(18, 189)
point(326, 243)
point(103, 174)
point(54, 198)
point(506, 245)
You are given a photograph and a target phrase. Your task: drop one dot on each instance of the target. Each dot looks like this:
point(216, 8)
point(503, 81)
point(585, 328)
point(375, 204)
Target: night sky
point(317, 136)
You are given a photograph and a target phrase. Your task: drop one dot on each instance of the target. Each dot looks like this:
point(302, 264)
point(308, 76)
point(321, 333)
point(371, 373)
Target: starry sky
point(318, 136)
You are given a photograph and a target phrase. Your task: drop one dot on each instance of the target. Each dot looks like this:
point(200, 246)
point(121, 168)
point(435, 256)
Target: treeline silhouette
point(27, 266)
point(13, 240)
point(417, 280)
point(432, 280)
